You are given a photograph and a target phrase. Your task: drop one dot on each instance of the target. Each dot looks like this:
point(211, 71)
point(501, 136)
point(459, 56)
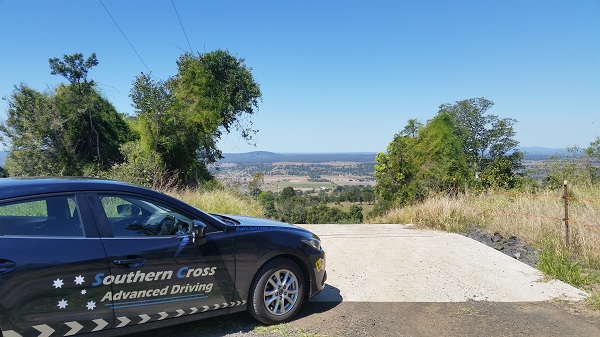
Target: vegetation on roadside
point(534, 218)
point(219, 201)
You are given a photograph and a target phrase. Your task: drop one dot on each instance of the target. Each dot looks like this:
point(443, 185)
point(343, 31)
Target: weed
point(560, 265)
point(285, 331)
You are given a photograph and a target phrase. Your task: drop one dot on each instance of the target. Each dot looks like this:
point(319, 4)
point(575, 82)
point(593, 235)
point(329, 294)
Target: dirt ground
point(354, 319)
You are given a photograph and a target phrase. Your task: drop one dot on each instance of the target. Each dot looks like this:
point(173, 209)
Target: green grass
point(560, 265)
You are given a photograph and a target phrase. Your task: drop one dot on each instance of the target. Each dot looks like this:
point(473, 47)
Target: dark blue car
point(96, 256)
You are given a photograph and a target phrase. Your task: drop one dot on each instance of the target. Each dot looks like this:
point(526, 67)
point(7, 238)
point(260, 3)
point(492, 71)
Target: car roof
point(17, 187)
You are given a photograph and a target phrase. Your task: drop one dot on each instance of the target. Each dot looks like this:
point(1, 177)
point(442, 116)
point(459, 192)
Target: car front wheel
point(277, 292)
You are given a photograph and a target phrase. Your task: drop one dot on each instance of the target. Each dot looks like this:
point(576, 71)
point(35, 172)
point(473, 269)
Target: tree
point(412, 128)
point(71, 131)
point(184, 117)
point(33, 133)
point(395, 171)
point(255, 183)
point(413, 167)
point(485, 138)
point(593, 151)
point(439, 155)
point(287, 193)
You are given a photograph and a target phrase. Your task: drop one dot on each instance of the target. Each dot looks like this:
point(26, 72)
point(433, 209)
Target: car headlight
point(314, 243)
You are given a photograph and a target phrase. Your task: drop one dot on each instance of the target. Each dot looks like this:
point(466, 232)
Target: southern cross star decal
point(62, 304)
point(83, 292)
point(79, 280)
point(91, 305)
point(58, 283)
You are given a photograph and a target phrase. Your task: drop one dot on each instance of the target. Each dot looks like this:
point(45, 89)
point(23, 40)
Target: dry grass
point(534, 218)
point(219, 201)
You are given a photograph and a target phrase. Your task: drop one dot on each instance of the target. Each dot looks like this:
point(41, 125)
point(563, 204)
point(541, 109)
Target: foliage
point(396, 170)
point(499, 174)
point(412, 128)
point(413, 167)
point(141, 169)
point(255, 183)
point(439, 155)
point(183, 118)
point(560, 264)
point(289, 206)
point(593, 151)
point(485, 138)
point(287, 193)
point(71, 131)
point(576, 167)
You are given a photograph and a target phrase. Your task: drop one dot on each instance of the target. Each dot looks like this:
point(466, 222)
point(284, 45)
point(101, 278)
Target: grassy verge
point(536, 219)
point(219, 201)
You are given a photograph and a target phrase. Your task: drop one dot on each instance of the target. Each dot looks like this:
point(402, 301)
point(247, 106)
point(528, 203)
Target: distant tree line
point(312, 170)
point(288, 206)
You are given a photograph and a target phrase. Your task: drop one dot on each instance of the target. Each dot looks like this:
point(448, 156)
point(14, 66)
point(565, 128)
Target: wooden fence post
point(566, 219)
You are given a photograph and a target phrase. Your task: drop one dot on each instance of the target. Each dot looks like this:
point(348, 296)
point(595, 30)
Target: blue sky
point(337, 76)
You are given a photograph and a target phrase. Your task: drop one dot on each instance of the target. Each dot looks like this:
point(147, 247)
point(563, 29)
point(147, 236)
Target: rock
point(497, 237)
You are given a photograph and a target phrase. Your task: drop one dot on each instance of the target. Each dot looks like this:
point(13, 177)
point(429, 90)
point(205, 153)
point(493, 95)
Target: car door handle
point(6, 266)
point(131, 262)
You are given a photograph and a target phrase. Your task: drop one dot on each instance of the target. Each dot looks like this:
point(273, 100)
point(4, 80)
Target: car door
point(49, 254)
point(157, 271)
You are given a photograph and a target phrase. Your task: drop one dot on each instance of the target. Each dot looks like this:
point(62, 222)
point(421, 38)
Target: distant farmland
point(305, 172)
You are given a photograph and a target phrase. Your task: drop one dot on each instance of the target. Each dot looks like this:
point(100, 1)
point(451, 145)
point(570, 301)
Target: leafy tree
point(485, 137)
point(184, 117)
point(395, 171)
point(593, 151)
point(33, 132)
point(71, 131)
point(255, 183)
point(267, 200)
point(439, 155)
point(287, 193)
point(412, 128)
point(576, 167)
point(412, 167)
point(355, 214)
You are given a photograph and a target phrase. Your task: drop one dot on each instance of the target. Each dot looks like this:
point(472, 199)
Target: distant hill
point(271, 157)
point(531, 153)
point(541, 153)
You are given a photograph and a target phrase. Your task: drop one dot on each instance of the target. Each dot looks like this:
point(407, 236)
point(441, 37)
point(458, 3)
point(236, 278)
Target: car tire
point(277, 292)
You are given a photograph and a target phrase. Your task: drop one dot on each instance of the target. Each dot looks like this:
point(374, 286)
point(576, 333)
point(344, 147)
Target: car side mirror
point(128, 210)
point(198, 236)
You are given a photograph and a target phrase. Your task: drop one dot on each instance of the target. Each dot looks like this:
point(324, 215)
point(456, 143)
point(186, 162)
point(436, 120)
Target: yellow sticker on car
point(319, 265)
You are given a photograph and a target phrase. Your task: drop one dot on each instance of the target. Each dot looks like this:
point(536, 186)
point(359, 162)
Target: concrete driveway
point(395, 263)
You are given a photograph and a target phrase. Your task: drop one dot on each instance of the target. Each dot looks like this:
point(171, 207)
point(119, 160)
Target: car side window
point(136, 216)
point(45, 216)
